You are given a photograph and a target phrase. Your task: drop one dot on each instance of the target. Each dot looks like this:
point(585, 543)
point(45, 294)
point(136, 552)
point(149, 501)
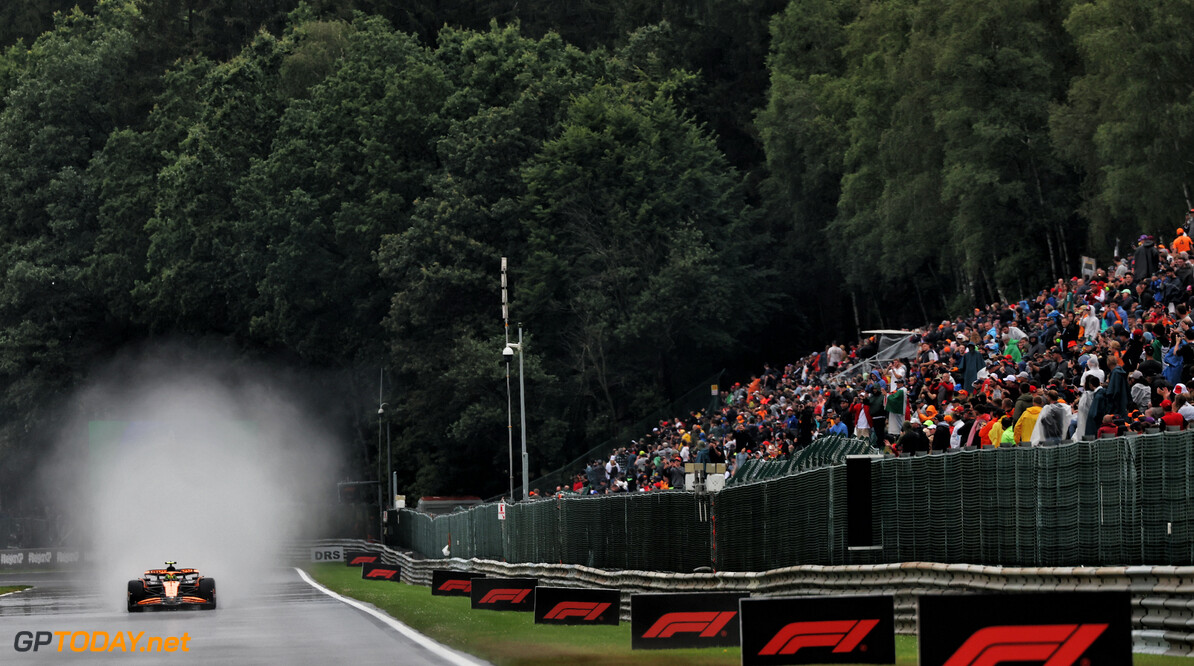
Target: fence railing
point(1108, 502)
point(1162, 596)
point(824, 451)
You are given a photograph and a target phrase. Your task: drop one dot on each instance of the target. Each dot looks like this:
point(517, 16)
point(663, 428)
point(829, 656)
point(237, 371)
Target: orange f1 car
point(172, 588)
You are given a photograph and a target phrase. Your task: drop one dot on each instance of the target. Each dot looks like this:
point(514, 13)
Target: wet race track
point(285, 621)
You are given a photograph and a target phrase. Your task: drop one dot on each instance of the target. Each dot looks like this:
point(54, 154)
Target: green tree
point(1128, 121)
point(803, 131)
point(508, 94)
point(639, 240)
point(889, 202)
point(948, 139)
point(26, 20)
point(345, 168)
point(202, 264)
point(999, 68)
point(57, 115)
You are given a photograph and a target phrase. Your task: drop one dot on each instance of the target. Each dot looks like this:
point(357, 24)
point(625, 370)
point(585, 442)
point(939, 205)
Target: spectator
point(971, 364)
point(940, 434)
point(1022, 403)
point(1092, 370)
point(675, 474)
point(835, 355)
point(860, 417)
point(1185, 408)
point(1090, 323)
point(1027, 421)
point(1006, 436)
point(1141, 392)
point(1171, 417)
point(1108, 429)
point(1146, 259)
point(913, 440)
point(896, 407)
point(1117, 388)
point(1091, 408)
point(1053, 422)
point(1127, 330)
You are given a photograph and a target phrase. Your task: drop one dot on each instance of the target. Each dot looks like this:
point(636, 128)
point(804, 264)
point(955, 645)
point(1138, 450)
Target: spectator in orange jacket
point(1182, 243)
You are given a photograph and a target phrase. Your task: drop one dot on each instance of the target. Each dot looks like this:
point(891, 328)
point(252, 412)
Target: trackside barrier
point(1162, 596)
point(1119, 501)
point(41, 558)
point(831, 450)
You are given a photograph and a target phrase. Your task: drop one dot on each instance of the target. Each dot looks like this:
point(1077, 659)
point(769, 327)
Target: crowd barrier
point(831, 450)
point(1162, 596)
point(1113, 502)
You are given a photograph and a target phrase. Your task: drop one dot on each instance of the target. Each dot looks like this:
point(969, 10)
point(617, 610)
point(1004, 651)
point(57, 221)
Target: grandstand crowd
point(1103, 355)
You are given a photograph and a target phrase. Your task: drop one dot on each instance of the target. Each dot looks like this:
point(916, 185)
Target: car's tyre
point(136, 593)
point(207, 590)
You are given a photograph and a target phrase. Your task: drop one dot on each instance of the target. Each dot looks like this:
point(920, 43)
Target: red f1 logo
point(382, 573)
point(566, 609)
point(362, 559)
point(1053, 644)
point(514, 596)
point(463, 585)
point(706, 624)
point(843, 635)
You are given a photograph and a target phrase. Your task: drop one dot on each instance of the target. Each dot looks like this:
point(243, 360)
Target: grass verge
point(513, 639)
point(9, 589)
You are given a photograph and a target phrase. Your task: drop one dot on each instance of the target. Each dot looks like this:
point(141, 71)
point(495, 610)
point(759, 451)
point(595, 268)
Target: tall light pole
point(508, 355)
point(381, 409)
point(390, 469)
point(385, 476)
point(522, 409)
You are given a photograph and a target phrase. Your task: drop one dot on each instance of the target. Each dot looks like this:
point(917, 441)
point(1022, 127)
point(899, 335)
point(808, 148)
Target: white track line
point(405, 630)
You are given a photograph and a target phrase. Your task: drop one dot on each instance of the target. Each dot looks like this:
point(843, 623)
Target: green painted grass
point(513, 639)
point(6, 589)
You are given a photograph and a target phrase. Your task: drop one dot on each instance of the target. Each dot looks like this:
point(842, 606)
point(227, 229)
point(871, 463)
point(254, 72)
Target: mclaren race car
point(173, 589)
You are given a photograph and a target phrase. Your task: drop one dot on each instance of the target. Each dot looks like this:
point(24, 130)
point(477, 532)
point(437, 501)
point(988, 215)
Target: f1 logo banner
point(1063, 629)
point(381, 572)
point(446, 583)
point(356, 558)
point(684, 620)
point(818, 630)
point(573, 605)
point(504, 594)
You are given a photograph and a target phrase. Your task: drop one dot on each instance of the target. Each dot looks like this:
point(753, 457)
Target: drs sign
point(328, 554)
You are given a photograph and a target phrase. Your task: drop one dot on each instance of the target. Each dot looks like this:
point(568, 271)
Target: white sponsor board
point(39, 558)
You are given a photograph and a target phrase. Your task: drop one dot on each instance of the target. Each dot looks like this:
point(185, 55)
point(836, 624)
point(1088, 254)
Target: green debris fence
point(1109, 502)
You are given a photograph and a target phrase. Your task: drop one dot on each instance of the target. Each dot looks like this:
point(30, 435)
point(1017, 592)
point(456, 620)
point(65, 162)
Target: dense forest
point(679, 187)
